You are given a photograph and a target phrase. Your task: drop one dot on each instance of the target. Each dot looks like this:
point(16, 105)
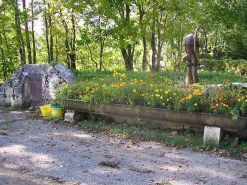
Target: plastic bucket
point(57, 112)
point(45, 110)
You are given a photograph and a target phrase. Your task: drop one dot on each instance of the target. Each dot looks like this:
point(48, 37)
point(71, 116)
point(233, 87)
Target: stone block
point(72, 116)
point(212, 135)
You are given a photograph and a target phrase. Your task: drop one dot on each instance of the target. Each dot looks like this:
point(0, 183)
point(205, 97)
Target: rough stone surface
point(72, 116)
point(18, 88)
point(212, 135)
point(34, 152)
point(212, 89)
point(244, 85)
point(236, 142)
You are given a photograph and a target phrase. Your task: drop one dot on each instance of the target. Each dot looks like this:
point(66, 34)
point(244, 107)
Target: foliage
point(106, 35)
point(238, 67)
point(156, 90)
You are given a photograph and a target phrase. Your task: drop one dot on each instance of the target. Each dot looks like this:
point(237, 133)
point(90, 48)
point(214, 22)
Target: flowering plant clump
point(154, 90)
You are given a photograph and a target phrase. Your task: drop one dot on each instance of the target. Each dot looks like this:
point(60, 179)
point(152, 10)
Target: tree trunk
point(144, 41)
point(72, 54)
point(49, 17)
point(127, 51)
point(154, 51)
point(19, 34)
point(3, 56)
point(67, 48)
point(33, 35)
point(128, 58)
point(91, 55)
point(47, 33)
point(159, 44)
point(144, 59)
point(56, 50)
point(101, 46)
point(29, 51)
point(101, 55)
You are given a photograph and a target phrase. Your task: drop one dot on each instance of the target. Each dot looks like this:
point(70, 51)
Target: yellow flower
point(143, 94)
point(134, 90)
point(220, 99)
point(174, 94)
point(217, 105)
point(157, 95)
point(161, 97)
point(239, 100)
point(148, 103)
point(167, 99)
point(122, 84)
point(166, 92)
point(190, 96)
point(163, 103)
point(157, 90)
point(87, 88)
point(65, 87)
point(151, 85)
point(195, 104)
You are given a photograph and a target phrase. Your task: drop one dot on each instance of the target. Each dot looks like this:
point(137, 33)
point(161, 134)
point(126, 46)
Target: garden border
point(163, 117)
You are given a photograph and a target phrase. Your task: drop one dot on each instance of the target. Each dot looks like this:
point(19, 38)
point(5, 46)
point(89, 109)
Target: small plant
point(56, 105)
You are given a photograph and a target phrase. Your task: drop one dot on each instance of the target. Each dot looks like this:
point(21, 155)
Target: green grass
point(204, 76)
point(183, 138)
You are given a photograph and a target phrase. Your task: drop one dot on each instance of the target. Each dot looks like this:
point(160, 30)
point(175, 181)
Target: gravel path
point(34, 152)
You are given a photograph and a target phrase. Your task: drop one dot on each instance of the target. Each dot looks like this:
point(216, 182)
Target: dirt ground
point(35, 152)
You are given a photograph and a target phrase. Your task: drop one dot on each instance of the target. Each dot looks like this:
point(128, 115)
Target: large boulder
point(35, 84)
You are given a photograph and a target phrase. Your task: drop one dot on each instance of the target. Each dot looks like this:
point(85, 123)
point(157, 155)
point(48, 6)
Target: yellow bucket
point(57, 112)
point(45, 110)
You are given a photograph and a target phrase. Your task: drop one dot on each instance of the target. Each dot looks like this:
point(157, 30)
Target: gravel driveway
point(34, 152)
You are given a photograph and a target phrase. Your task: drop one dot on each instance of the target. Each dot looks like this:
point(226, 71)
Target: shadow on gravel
point(55, 154)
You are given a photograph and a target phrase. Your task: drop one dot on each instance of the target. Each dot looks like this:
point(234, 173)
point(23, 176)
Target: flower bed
point(157, 91)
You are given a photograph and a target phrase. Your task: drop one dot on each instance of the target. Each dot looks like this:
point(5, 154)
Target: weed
point(6, 122)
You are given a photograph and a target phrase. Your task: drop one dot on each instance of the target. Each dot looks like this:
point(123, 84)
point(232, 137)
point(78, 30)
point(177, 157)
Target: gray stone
point(212, 135)
point(212, 89)
point(35, 84)
point(236, 142)
point(244, 85)
point(73, 116)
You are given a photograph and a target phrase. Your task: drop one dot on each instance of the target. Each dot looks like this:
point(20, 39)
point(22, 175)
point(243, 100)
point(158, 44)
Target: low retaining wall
point(166, 118)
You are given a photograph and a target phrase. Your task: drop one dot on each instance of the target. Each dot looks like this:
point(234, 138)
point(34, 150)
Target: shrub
point(238, 67)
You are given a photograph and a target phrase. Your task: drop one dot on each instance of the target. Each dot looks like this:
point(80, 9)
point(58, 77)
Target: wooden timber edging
point(160, 115)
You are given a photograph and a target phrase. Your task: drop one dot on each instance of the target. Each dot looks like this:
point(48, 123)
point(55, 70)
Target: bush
point(238, 67)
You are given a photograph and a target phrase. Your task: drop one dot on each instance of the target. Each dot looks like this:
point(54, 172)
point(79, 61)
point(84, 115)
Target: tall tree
point(29, 51)
point(20, 39)
point(45, 14)
point(33, 34)
point(50, 27)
